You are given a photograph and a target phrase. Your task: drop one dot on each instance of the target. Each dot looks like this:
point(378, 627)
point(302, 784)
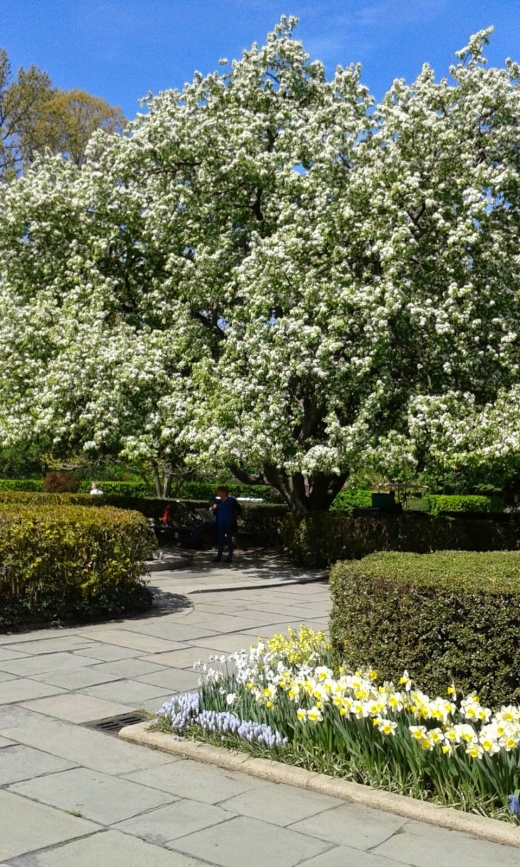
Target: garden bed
point(284, 700)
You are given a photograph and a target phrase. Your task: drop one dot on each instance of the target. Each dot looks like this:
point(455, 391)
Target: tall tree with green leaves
point(35, 116)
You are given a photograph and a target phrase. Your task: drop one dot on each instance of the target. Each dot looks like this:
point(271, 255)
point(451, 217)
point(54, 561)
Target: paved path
point(74, 797)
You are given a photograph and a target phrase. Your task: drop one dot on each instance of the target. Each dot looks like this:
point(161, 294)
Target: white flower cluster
point(266, 270)
point(317, 690)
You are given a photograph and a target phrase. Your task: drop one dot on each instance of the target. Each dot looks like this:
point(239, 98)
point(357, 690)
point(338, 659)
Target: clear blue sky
point(121, 49)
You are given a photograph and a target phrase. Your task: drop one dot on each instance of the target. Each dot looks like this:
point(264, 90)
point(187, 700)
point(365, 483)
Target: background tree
point(35, 116)
point(264, 272)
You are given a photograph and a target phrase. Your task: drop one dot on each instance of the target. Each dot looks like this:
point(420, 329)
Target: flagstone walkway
point(71, 796)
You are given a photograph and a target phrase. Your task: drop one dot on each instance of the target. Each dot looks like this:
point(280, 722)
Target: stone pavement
point(71, 796)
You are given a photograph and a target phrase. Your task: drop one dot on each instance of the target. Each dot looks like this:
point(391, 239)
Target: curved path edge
point(278, 772)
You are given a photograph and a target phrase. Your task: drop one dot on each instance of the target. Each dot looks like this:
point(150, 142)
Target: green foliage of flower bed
point(321, 538)
point(286, 699)
point(66, 562)
point(446, 617)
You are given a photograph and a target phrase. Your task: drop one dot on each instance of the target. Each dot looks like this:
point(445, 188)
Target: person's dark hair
point(223, 488)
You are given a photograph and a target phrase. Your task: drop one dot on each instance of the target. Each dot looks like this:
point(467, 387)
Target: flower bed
point(283, 698)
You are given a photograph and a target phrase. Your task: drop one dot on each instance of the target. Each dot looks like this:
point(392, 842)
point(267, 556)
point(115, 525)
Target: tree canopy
point(35, 116)
point(270, 272)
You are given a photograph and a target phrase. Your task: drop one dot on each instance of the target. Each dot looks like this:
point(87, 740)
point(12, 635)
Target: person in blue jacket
point(227, 511)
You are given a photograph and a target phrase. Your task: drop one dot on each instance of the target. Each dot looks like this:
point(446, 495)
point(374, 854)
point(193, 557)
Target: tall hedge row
point(448, 617)
point(66, 562)
point(319, 539)
point(262, 521)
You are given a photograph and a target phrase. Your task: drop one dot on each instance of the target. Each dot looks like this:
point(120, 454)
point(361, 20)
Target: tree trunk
point(157, 480)
point(322, 487)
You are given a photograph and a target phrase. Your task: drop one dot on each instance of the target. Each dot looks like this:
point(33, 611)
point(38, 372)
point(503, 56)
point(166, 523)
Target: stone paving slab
point(30, 665)
point(5, 742)
point(19, 763)
point(89, 748)
point(174, 679)
point(127, 668)
point(226, 643)
point(352, 825)
point(427, 846)
point(197, 782)
point(5, 676)
point(49, 645)
point(26, 826)
point(130, 692)
point(100, 797)
point(73, 680)
point(243, 841)
point(178, 819)
point(169, 631)
point(22, 689)
point(125, 637)
point(108, 849)
point(98, 651)
point(342, 857)
point(9, 653)
point(183, 658)
point(75, 707)
point(284, 806)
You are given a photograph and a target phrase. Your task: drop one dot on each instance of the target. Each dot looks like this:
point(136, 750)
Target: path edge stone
point(277, 772)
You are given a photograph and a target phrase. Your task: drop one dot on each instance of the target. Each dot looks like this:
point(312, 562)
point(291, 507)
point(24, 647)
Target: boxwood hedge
point(448, 617)
point(261, 521)
point(321, 538)
point(66, 562)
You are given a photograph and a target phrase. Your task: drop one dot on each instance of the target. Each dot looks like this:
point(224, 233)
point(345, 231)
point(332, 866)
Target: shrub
point(70, 562)
point(449, 617)
point(60, 483)
point(467, 503)
point(21, 484)
point(320, 538)
point(263, 521)
point(349, 498)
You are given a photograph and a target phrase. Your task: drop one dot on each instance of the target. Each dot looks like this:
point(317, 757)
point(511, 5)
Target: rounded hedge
point(66, 562)
point(448, 617)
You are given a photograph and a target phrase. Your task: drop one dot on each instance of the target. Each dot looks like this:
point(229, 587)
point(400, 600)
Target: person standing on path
point(227, 511)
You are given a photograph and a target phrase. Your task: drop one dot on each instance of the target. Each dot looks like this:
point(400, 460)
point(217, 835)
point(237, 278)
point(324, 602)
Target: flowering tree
point(264, 272)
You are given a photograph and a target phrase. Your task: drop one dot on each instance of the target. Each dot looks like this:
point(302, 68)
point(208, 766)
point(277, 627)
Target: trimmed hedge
point(467, 503)
point(71, 563)
point(263, 521)
point(349, 498)
point(21, 484)
point(319, 539)
point(449, 617)
point(118, 489)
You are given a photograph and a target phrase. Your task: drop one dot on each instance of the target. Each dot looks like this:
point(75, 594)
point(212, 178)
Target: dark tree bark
point(322, 487)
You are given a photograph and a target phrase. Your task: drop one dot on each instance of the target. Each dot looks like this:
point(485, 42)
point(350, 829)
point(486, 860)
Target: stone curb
point(277, 772)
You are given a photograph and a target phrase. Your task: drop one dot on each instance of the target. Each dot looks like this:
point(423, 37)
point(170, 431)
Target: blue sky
point(122, 49)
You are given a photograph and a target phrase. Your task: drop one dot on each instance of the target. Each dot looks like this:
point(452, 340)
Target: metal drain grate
point(112, 725)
